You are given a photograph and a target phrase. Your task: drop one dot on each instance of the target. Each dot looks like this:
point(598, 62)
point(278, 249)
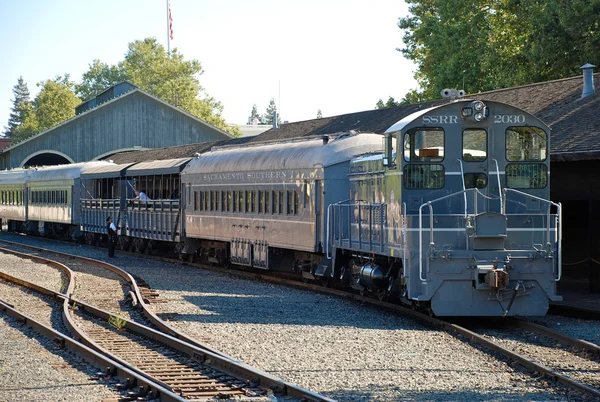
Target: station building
point(121, 118)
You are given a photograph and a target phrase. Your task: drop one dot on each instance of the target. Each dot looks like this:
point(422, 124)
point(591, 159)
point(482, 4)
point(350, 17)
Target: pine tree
point(254, 114)
point(21, 109)
point(268, 116)
point(319, 114)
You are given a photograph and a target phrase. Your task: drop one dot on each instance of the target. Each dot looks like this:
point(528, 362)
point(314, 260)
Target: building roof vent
point(588, 80)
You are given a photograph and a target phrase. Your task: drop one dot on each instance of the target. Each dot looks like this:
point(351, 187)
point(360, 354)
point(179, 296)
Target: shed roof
point(104, 171)
point(180, 151)
point(115, 99)
point(575, 122)
point(168, 166)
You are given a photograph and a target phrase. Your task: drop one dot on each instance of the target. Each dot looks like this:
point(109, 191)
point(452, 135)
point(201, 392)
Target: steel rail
point(220, 362)
point(574, 311)
point(540, 329)
point(431, 321)
point(148, 313)
point(129, 378)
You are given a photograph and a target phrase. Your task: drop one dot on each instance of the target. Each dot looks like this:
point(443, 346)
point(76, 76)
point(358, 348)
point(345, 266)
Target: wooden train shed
point(121, 118)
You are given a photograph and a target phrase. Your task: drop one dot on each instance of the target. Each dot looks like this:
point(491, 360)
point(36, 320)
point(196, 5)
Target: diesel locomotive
point(448, 211)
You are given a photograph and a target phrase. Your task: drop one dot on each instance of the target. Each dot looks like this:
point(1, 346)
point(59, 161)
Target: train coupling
point(492, 276)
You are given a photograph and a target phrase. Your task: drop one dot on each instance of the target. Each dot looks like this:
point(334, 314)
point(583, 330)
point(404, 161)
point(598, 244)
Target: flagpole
point(168, 29)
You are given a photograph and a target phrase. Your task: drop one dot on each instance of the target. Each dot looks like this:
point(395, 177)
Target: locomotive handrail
point(502, 208)
point(360, 204)
point(431, 243)
point(548, 217)
point(462, 176)
point(404, 243)
point(327, 250)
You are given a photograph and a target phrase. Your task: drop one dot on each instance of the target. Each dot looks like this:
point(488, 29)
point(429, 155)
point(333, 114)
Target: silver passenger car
point(266, 200)
point(13, 205)
point(53, 195)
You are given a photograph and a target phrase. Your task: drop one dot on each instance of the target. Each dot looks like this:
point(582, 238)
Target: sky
point(338, 56)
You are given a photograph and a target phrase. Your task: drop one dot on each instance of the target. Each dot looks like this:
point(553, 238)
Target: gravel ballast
point(33, 368)
point(332, 346)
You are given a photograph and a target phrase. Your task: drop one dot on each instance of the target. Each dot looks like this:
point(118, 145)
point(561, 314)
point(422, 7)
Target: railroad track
point(461, 331)
point(575, 312)
point(182, 368)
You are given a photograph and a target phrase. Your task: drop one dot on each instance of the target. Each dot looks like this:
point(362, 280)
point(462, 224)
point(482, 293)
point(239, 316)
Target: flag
point(170, 20)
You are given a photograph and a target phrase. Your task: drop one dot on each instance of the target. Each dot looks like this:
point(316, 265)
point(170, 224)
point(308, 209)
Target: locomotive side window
point(526, 175)
point(424, 145)
point(424, 176)
point(474, 145)
point(526, 144)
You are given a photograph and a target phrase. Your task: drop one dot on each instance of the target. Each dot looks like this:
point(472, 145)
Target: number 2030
point(509, 118)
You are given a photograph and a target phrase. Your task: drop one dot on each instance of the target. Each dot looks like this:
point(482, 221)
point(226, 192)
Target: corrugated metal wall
point(134, 119)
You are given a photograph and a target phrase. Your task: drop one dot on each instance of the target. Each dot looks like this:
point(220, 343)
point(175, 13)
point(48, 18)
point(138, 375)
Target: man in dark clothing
point(112, 236)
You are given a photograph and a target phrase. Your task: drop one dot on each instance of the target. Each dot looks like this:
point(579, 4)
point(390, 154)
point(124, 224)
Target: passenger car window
point(424, 145)
point(424, 176)
point(526, 175)
point(526, 144)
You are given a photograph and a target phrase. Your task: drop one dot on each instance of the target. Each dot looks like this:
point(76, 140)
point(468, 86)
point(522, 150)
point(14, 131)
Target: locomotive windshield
point(526, 144)
point(474, 145)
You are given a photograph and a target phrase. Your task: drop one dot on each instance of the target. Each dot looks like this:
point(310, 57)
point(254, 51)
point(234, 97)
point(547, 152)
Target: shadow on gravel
point(289, 309)
point(495, 394)
point(71, 359)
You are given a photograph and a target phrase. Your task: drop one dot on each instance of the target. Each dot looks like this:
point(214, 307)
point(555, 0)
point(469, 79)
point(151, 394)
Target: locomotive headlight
point(478, 116)
point(478, 106)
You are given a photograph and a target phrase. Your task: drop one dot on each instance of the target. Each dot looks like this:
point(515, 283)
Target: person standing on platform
point(112, 236)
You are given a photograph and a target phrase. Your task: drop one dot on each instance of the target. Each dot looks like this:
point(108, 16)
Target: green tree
point(168, 76)
point(54, 104)
point(99, 77)
point(21, 109)
point(480, 45)
point(253, 114)
point(391, 102)
point(268, 116)
point(173, 79)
